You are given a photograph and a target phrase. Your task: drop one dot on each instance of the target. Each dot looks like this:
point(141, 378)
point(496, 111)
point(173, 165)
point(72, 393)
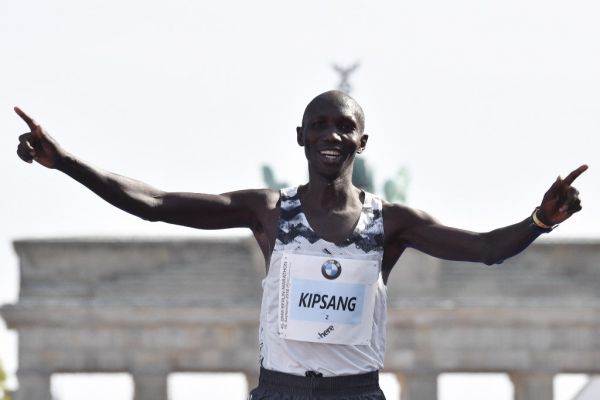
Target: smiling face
point(332, 133)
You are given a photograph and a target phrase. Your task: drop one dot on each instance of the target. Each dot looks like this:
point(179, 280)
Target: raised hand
point(561, 200)
point(38, 145)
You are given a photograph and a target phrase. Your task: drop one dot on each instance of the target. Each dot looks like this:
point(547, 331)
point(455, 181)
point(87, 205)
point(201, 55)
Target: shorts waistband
point(313, 384)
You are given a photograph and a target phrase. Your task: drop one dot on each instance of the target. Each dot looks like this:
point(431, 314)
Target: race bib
point(326, 299)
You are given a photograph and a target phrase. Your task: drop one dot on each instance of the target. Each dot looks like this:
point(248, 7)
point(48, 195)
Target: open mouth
point(331, 155)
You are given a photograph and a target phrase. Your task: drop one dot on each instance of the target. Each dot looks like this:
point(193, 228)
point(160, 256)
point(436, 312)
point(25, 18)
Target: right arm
point(203, 211)
point(196, 210)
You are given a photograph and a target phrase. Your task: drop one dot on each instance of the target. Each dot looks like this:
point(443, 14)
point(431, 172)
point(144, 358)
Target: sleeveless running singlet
point(324, 304)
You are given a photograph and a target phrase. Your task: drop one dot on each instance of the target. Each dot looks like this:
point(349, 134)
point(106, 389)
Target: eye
point(346, 127)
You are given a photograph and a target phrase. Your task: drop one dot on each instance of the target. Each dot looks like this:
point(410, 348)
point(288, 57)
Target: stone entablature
point(152, 307)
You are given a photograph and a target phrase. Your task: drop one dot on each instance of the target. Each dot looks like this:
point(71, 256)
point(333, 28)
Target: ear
point(299, 136)
point(363, 143)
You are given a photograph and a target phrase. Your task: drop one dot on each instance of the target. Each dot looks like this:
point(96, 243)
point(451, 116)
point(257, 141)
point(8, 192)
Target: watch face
point(331, 269)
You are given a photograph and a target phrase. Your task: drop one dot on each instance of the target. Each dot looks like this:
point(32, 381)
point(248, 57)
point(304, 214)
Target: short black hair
point(337, 97)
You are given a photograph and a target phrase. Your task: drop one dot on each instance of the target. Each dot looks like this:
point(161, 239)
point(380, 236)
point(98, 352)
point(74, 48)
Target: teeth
point(333, 153)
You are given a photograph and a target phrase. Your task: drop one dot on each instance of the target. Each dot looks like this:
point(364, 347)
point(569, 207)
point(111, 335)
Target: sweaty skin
point(332, 133)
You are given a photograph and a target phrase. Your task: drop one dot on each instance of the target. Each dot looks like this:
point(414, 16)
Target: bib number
point(327, 299)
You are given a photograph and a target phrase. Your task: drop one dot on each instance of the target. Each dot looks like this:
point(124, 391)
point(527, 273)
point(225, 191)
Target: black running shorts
point(273, 385)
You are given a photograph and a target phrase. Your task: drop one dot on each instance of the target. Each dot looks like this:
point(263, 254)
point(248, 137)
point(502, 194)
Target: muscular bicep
point(239, 209)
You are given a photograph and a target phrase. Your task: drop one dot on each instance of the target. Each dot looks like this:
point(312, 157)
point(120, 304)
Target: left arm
point(413, 228)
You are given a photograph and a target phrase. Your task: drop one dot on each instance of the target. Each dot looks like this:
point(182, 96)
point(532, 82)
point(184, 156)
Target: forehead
point(332, 108)
point(326, 108)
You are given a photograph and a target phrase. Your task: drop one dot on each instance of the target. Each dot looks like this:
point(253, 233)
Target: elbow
point(490, 255)
point(491, 260)
point(149, 216)
point(150, 210)
point(146, 213)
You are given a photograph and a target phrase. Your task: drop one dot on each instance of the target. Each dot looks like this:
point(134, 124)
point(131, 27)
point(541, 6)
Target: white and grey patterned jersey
point(295, 235)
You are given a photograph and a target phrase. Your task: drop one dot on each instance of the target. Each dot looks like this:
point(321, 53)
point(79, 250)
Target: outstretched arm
point(204, 211)
point(412, 228)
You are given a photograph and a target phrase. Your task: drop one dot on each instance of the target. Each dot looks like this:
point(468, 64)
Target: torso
point(357, 348)
point(334, 227)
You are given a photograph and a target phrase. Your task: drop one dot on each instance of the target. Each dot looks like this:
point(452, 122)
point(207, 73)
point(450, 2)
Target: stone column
point(418, 385)
point(150, 385)
point(533, 385)
point(251, 379)
point(33, 385)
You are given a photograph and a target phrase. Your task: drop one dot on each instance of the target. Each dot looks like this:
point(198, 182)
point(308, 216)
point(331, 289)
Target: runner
point(328, 246)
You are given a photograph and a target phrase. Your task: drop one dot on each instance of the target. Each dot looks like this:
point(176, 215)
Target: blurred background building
point(483, 102)
point(152, 308)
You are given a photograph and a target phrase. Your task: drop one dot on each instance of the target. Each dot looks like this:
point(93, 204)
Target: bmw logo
point(331, 269)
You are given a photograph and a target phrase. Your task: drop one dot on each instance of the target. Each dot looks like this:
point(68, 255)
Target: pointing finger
point(573, 175)
point(28, 120)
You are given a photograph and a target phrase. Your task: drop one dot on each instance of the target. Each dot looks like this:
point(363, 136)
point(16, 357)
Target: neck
point(330, 193)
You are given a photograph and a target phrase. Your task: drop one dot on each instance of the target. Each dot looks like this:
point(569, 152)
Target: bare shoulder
point(271, 198)
point(259, 200)
point(263, 203)
point(265, 207)
point(399, 219)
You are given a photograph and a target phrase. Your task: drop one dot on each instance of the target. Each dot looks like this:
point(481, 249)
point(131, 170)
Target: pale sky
point(485, 103)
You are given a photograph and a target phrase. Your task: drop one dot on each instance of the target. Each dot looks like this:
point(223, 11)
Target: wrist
point(538, 223)
point(64, 161)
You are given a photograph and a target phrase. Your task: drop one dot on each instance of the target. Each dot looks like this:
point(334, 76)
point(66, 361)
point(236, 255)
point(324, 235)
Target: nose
point(332, 136)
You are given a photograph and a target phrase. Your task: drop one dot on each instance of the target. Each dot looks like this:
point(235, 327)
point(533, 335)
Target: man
point(328, 247)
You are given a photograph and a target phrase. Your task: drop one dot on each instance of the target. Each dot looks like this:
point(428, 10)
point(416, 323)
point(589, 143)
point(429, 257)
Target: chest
point(335, 227)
